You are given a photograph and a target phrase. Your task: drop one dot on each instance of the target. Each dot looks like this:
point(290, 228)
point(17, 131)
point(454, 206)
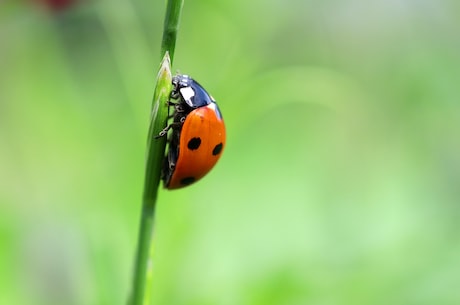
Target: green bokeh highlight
point(338, 185)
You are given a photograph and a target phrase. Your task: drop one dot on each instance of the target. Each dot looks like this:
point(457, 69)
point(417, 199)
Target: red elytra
point(201, 144)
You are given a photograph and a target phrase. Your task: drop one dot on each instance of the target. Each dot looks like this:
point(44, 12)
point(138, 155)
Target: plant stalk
point(171, 26)
point(143, 270)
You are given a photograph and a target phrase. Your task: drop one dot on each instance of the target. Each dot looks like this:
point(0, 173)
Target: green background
point(339, 183)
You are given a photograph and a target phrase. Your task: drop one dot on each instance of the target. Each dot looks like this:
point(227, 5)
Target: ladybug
point(198, 134)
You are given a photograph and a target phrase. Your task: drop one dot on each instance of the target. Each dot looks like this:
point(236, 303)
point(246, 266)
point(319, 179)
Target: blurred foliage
point(339, 184)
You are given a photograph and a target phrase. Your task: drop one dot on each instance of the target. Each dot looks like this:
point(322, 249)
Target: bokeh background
point(339, 183)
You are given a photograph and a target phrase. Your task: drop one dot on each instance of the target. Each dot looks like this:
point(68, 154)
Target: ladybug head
point(191, 92)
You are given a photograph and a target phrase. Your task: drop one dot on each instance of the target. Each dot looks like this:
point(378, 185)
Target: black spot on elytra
point(187, 180)
point(217, 149)
point(194, 143)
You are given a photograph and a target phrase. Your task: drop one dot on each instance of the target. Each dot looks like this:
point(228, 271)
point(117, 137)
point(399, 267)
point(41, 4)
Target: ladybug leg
point(164, 132)
point(171, 163)
point(177, 107)
point(175, 94)
point(171, 104)
point(177, 115)
point(175, 91)
point(173, 125)
point(167, 169)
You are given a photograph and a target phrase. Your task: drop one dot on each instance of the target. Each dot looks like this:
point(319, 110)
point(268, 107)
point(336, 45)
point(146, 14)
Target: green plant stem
point(171, 26)
point(142, 281)
point(143, 270)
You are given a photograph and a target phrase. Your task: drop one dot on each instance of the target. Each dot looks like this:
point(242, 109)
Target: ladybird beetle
point(198, 134)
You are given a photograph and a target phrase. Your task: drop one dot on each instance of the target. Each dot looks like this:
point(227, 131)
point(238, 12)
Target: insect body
point(198, 134)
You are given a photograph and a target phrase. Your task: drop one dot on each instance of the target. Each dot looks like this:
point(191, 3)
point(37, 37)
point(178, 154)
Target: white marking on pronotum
point(187, 93)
